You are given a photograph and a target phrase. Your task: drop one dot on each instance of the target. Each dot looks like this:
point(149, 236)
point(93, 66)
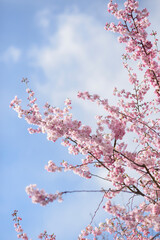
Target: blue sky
point(61, 46)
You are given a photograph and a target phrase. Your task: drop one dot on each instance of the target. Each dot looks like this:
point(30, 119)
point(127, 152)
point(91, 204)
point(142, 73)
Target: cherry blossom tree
point(136, 114)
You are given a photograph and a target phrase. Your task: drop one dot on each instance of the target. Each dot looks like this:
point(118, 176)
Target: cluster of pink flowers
point(46, 236)
point(22, 235)
point(40, 196)
point(132, 27)
point(107, 149)
point(18, 227)
point(51, 167)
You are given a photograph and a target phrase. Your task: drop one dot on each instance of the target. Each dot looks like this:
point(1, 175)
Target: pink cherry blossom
point(108, 147)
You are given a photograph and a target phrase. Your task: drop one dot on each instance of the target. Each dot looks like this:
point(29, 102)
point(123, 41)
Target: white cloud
point(80, 55)
point(12, 54)
point(43, 18)
point(153, 8)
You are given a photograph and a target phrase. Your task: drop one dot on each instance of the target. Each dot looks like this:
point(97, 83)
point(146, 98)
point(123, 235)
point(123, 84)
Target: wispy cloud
point(43, 18)
point(79, 55)
point(12, 54)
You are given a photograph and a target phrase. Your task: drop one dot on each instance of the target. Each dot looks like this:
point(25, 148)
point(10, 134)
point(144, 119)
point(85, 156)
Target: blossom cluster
point(40, 196)
point(22, 235)
point(132, 28)
point(18, 227)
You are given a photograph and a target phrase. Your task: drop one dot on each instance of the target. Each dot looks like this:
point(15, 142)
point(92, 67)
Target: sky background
point(61, 47)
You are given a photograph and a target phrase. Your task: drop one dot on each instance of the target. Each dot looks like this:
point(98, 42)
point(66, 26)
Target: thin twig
point(97, 209)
